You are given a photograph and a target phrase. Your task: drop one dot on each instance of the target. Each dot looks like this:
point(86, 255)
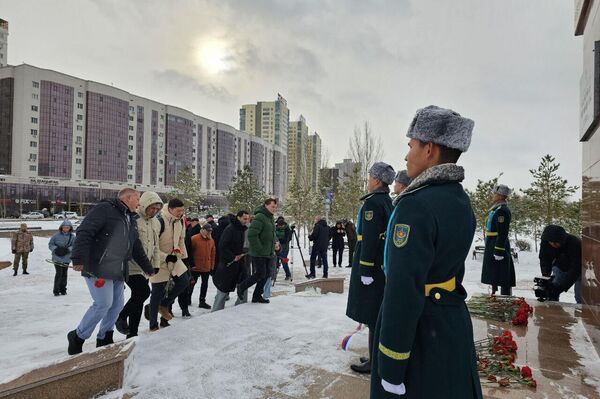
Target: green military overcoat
point(364, 300)
point(424, 335)
point(498, 272)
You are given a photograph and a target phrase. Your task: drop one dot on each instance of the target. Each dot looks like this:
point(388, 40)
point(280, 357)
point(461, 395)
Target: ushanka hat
point(441, 126)
point(383, 172)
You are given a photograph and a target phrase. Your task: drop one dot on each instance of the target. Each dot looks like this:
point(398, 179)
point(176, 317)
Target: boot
point(363, 368)
point(147, 312)
point(260, 300)
point(309, 276)
point(325, 276)
point(15, 273)
point(240, 292)
point(185, 313)
point(164, 313)
point(204, 305)
point(154, 328)
point(287, 278)
point(164, 322)
point(363, 359)
point(64, 292)
point(75, 343)
point(122, 326)
point(25, 272)
point(56, 294)
point(107, 340)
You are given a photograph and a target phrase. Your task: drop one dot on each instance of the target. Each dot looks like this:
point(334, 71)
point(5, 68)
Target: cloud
point(175, 80)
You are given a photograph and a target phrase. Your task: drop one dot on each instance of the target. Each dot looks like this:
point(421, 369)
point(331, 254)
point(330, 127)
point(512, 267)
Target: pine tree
point(346, 199)
point(245, 193)
point(188, 189)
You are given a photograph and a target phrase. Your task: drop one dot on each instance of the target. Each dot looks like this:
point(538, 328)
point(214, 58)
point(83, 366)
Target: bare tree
point(365, 148)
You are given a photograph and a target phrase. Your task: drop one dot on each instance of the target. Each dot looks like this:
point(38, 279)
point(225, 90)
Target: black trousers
point(185, 298)
point(503, 290)
point(60, 280)
point(351, 247)
point(337, 251)
point(260, 264)
point(140, 291)
point(157, 297)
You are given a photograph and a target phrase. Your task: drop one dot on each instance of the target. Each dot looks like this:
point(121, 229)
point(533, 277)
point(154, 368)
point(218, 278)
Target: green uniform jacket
point(261, 233)
point(364, 300)
point(426, 341)
point(284, 235)
point(498, 272)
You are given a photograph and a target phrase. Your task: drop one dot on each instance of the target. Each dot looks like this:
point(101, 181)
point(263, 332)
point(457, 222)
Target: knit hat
point(502, 190)
point(383, 172)
point(441, 126)
point(554, 233)
point(402, 178)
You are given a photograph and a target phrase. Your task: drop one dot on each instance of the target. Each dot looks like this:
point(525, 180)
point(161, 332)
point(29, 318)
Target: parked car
point(66, 215)
point(32, 215)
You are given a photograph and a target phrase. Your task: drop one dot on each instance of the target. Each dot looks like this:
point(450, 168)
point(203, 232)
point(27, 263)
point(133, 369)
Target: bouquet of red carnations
point(500, 308)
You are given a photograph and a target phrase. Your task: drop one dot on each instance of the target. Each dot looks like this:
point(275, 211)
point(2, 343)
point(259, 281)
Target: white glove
point(395, 389)
point(498, 257)
point(366, 280)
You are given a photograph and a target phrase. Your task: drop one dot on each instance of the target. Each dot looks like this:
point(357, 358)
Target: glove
point(366, 280)
point(14, 252)
point(395, 389)
point(171, 259)
point(498, 257)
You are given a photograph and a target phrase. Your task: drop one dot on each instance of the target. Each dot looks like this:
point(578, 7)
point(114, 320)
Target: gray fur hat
point(402, 177)
point(441, 126)
point(383, 172)
point(502, 190)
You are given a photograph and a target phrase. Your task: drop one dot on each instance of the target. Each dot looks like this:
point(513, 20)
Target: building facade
point(67, 141)
point(3, 43)
point(297, 150)
point(313, 160)
point(268, 120)
point(587, 23)
point(346, 169)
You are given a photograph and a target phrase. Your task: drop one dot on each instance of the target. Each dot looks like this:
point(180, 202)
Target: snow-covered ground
point(301, 329)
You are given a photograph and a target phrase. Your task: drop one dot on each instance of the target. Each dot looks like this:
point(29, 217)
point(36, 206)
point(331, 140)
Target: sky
point(512, 66)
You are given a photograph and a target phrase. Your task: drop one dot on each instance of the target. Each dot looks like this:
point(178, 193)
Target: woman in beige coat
point(171, 244)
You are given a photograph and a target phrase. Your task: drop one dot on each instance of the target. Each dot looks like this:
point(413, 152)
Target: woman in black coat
point(337, 244)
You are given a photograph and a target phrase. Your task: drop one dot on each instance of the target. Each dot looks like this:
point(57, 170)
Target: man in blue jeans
point(101, 254)
point(320, 237)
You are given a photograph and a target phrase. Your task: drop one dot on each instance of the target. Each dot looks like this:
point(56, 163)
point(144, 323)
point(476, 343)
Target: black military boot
point(164, 322)
point(204, 305)
point(75, 343)
point(122, 326)
point(363, 368)
point(107, 340)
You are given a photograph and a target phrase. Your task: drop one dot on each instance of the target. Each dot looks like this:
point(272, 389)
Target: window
point(129, 177)
point(131, 118)
point(34, 132)
point(79, 128)
point(130, 167)
point(32, 168)
point(32, 157)
point(78, 151)
point(79, 106)
point(130, 147)
point(130, 157)
point(36, 85)
point(34, 120)
point(78, 161)
point(79, 117)
point(130, 127)
point(35, 96)
point(80, 94)
point(130, 137)
point(78, 140)
point(33, 144)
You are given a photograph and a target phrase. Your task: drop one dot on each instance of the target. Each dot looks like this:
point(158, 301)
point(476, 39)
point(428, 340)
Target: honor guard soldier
point(498, 267)
point(424, 336)
point(367, 279)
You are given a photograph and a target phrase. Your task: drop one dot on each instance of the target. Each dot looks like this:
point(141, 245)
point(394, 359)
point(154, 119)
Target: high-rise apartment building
point(3, 43)
point(313, 159)
point(268, 120)
point(69, 140)
point(297, 151)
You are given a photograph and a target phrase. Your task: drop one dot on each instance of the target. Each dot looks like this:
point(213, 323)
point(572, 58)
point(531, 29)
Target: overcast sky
point(512, 66)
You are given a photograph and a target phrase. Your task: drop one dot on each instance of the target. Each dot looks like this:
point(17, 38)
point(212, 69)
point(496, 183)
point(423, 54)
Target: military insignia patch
point(369, 215)
point(500, 219)
point(401, 232)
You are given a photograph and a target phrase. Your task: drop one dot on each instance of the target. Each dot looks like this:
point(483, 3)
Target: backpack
point(162, 224)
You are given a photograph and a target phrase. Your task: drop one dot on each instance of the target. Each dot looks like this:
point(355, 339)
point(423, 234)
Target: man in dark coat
point(352, 240)
point(320, 238)
point(106, 239)
point(367, 280)
point(193, 229)
point(424, 338)
point(218, 230)
point(337, 243)
point(560, 252)
point(498, 267)
point(230, 270)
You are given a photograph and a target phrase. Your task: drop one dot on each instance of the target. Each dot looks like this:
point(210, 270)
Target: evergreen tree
point(346, 199)
point(481, 201)
point(188, 189)
point(245, 192)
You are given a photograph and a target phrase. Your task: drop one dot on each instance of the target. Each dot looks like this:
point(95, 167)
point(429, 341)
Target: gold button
point(437, 295)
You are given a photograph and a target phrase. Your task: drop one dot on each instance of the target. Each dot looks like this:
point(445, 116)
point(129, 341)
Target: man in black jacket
point(106, 240)
point(320, 238)
point(560, 254)
point(230, 269)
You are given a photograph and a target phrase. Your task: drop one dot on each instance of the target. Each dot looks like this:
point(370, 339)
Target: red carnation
point(99, 283)
point(526, 372)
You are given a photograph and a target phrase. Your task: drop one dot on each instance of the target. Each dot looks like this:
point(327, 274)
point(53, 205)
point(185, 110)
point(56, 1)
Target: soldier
point(367, 280)
point(401, 181)
point(498, 267)
point(424, 336)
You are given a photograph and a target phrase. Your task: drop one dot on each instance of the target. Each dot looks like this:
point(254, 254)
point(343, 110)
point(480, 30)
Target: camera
point(543, 288)
point(292, 227)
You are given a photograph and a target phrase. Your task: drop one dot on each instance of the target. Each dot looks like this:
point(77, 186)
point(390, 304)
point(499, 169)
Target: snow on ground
point(211, 354)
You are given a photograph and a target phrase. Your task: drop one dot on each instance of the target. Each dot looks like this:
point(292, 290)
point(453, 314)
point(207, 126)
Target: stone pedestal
point(334, 284)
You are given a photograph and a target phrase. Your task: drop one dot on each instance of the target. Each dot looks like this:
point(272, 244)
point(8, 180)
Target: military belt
point(491, 233)
point(449, 285)
point(359, 237)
